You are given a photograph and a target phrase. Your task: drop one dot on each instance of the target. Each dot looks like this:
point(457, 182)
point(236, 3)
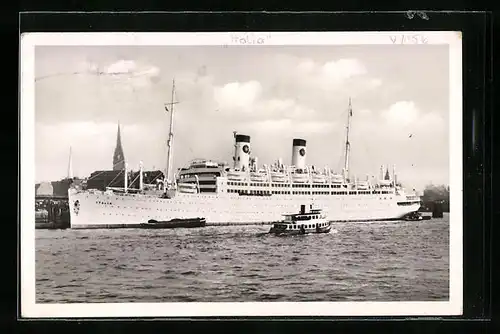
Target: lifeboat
point(337, 178)
point(189, 188)
point(258, 177)
point(385, 183)
point(363, 186)
point(300, 177)
point(278, 177)
point(319, 178)
point(236, 175)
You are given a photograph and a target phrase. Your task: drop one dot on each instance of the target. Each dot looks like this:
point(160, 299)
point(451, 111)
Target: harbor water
point(378, 261)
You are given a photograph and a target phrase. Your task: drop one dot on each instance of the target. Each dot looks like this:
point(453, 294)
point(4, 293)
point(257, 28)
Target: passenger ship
point(244, 193)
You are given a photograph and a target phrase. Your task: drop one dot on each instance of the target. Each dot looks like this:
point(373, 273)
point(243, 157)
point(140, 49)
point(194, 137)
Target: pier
point(51, 212)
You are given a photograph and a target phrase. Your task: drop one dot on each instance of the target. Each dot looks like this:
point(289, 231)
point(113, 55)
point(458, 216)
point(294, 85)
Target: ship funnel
point(241, 152)
point(299, 153)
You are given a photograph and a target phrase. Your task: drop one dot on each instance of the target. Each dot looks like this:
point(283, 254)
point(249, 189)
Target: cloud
point(306, 66)
point(286, 108)
point(123, 75)
point(121, 66)
point(267, 109)
point(374, 83)
point(401, 113)
point(406, 118)
point(124, 90)
point(288, 126)
point(237, 95)
point(129, 75)
point(336, 72)
point(318, 84)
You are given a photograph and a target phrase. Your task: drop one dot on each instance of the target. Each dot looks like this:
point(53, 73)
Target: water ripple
point(381, 261)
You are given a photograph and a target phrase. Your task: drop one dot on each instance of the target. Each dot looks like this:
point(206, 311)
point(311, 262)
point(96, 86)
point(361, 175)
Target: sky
point(399, 94)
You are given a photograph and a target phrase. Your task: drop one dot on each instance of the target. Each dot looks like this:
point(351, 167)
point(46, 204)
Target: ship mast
point(171, 133)
point(347, 143)
point(70, 164)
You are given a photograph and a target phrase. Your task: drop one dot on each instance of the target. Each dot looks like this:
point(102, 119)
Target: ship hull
point(112, 210)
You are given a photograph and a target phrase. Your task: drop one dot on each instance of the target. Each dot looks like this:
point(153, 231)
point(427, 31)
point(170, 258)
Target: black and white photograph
point(241, 174)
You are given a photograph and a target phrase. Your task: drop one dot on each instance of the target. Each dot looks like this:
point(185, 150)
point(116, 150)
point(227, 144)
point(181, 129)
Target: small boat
point(416, 216)
point(304, 222)
point(175, 223)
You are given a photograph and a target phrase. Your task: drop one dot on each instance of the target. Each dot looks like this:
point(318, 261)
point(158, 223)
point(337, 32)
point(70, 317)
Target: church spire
point(387, 176)
point(118, 156)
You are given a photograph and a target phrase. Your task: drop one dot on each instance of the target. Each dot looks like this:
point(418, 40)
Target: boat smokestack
point(381, 172)
point(302, 209)
point(299, 153)
point(241, 152)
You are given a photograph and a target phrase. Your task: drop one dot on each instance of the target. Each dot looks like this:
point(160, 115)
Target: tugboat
point(175, 223)
point(416, 216)
point(304, 222)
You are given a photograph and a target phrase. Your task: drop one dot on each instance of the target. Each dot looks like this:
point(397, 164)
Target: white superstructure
point(245, 193)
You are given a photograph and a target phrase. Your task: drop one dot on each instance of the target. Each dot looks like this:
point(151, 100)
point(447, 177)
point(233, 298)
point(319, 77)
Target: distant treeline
point(436, 193)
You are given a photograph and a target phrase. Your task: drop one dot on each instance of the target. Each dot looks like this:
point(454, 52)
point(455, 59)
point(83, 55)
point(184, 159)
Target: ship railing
point(120, 190)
